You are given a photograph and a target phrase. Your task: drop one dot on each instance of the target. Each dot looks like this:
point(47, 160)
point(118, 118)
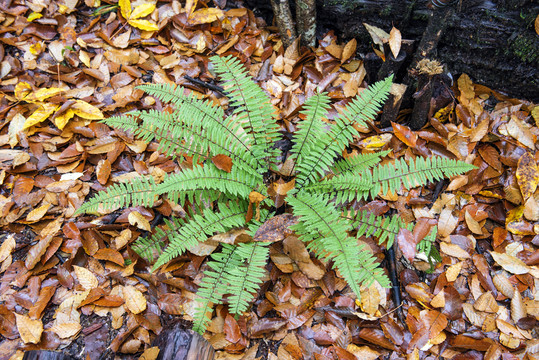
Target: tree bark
point(306, 21)
point(283, 17)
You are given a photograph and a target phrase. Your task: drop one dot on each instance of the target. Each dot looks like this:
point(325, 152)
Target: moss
point(525, 48)
point(386, 11)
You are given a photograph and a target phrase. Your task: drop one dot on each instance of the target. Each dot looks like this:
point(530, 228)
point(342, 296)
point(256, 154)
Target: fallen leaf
point(134, 299)
point(137, 219)
point(349, 50)
point(527, 175)
point(7, 247)
point(395, 39)
point(404, 134)
point(87, 280)
point(150, 353)
point(30, 330)
point(222, 162)
point(205, 16)
point(510, 263)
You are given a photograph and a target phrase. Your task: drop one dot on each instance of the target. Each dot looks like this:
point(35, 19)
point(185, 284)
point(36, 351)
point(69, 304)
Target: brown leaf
point(276, 228)
point(8, 325)
point(171, 304)
point(45, 295)
point(434, 321)
point(7, 247)
point(395, 39)
point(102, 171)
point(222, 162)
point(406, 242)
point(295, 249)
point(486, 303)
point(527, 175)
point(377, 337)
point(349, 50)
point(232, 329)
point(404, 134)
point(518, 309)
point(36, 252)
point(30, 330)
point(112, 255)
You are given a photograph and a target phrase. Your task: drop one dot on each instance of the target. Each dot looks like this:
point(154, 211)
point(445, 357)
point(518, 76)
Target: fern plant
point(325, 182)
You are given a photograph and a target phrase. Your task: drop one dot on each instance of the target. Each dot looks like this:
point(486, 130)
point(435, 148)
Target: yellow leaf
point(136, 219)
point(86, 111)
point(43, 94)
point(34, 16)
point(38, 213)
point(66, 330)
point(41, 114)
point(134, 300)
point(15, 126)
point(86, 278)
point(22, 89)
point(36, 48)
point(374, 142)
point(142, 11)
point(150, 353)
point(205, 16)
point(30, 330)
point(125, 8)
point(62, 120)
point(143, 25)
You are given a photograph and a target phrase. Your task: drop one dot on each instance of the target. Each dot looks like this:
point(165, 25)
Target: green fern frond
point(208, 177)
point(417, 172)
point(139, 191)
point(306, 137)
point(149, 248)
point(321, 157)
point(356, 265)
point(183, 235)
point(199, 115)
point(382, 228)
point(214, 285)
point(344, 188)
point(358, 163)
point(245, 280)
point(253, 108)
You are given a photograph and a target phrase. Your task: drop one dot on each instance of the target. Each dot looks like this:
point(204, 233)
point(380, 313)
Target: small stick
point(207, 85)
point(392, 267)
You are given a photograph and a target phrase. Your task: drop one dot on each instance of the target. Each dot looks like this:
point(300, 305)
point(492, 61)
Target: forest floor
point(73, 283)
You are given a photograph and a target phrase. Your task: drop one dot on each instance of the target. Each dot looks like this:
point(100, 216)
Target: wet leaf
point(222, 162)
point(404, 134)
point(407, 244)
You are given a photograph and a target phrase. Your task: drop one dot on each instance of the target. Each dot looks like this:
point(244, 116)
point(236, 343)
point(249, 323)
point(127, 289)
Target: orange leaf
point(110, 255)
point(404, 134)
point(30, 330)
point(205, 16)
point(222, 162)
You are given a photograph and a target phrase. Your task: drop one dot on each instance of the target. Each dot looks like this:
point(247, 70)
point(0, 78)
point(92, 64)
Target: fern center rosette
point(325, 184)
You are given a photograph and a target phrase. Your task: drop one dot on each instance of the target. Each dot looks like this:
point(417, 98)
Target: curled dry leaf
point(134, 299)
point(30, 330)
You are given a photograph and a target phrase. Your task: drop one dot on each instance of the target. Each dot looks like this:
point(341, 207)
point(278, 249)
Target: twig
point(205, 84)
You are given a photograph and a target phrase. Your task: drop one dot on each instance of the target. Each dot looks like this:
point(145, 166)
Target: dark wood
point(46, 355)
point(493, 41)
point(179, 343)
point(392, 105)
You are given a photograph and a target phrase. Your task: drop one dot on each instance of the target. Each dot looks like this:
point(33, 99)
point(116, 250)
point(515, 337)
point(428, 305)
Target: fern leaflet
point(356, 265)
point(139, 191)
point(184, 235)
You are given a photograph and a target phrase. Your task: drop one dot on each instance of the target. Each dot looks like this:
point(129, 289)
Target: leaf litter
point(65, 280)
